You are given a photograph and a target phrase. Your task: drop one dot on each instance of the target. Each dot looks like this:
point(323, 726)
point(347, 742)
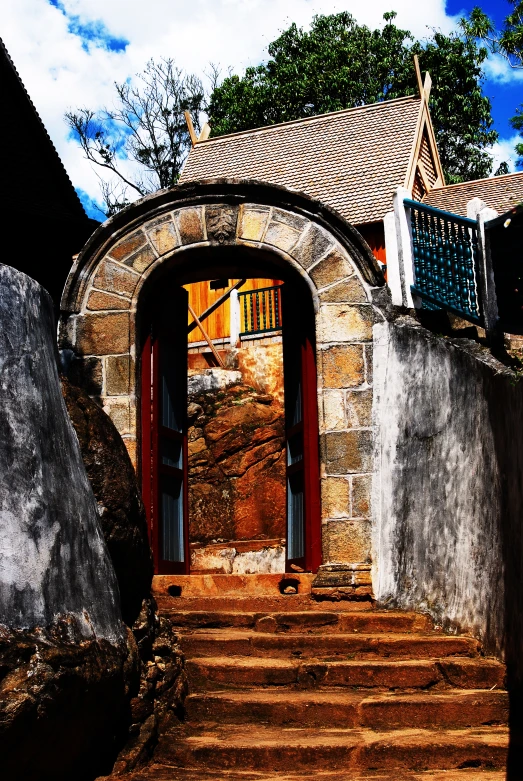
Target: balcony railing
point(446, 261)
point(260, 310)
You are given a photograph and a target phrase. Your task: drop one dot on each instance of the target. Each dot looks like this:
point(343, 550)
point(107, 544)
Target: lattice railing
point(446, 261)
point(260, 310)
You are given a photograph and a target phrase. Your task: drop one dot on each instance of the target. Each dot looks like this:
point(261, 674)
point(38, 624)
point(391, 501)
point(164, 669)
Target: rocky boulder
point(236, 464)
point(120, 507)
point(68, 665)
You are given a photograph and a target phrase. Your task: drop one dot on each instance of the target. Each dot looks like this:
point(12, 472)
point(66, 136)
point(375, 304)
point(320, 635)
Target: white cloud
point(504, 151)
point(499, 70)
point(59, 74)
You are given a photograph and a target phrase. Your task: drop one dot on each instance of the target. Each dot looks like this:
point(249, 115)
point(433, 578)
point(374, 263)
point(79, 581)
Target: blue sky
point(504, 95)
point(69, 53)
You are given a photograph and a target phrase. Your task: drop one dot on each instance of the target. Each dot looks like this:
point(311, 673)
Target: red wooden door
point(303, 548)
point(164, 433)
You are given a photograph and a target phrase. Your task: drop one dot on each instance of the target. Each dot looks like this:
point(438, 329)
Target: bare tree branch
point(146, 126)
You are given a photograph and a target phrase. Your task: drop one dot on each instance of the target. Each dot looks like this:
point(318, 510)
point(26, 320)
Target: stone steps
point(300, 621)
point(303, 749)
point(164, 772)
point(349, 646)
point(284, 687)
point(241, 671)
point(454, 708)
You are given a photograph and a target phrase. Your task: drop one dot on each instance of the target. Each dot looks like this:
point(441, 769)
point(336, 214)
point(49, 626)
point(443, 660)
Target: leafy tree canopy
point(339, 64)
point(508, 42)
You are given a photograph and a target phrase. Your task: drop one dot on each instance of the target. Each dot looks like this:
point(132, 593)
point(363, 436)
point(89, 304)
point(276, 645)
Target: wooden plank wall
point(201, 296)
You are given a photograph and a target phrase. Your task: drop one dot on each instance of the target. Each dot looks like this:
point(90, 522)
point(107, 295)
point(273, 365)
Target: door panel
point(303, 548)
point(164, 433)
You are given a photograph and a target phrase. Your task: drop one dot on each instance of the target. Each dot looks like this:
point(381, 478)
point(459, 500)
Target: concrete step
point(327, 708)
point(301, 621)
point(165, 772)
point(241, 671)
point(349, 646)
point(303, 749)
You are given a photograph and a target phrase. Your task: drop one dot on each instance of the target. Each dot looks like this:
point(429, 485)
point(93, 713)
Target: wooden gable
point(424, 171)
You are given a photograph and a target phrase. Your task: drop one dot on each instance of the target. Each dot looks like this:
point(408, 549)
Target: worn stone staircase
point(285, 687)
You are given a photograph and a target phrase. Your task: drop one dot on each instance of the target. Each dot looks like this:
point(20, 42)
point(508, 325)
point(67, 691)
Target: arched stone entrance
point(101, 310)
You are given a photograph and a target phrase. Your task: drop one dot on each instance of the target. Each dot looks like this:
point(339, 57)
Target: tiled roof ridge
point(40, 121)
point(474, 181)
point(315, 118)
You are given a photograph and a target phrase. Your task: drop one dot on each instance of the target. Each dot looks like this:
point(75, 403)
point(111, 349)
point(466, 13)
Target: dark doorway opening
point(165, 422)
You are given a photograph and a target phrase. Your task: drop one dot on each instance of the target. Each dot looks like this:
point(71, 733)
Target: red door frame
point(300, 359)
point(302, 342)
point(153, 433)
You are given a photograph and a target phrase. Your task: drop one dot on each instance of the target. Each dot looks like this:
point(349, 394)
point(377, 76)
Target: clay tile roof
point(351, 160)
point(500, 193)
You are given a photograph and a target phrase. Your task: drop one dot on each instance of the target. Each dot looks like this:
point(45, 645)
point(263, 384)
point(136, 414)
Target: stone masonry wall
point(99, 326)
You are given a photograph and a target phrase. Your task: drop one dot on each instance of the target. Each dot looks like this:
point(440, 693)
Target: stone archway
point(101, 303)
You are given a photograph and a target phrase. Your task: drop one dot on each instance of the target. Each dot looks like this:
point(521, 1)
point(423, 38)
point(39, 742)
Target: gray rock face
point(53, 557)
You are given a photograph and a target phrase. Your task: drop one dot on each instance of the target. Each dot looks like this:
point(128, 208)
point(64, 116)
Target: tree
point(144, 139)
point(508, 43)
point(339, 64)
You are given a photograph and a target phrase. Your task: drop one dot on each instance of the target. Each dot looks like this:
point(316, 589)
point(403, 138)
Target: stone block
point(128, 246)
point(347, 541)
point(103, 334)
point(118, 375)
point(359, 408)
point(98, 301)
point(343, 366)
point(295, 221)
point(361, 493)
point(119, 413)
point(252, 223)
point(115, 279)
point(332, 268)
point(141, 260)
point(345, 323)
point(368, 364)
point(350, 291)
point(162, 234)
point(335, 498)
point(334, 415)
point(220, 223)
point(313, 243)
point(190, 225)
point(348, 451)
point(87, 374)
point(131, 445)
point(281, 235)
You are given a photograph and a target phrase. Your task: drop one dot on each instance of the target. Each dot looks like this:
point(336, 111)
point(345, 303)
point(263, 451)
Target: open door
point(164, 433)
point(303, 548)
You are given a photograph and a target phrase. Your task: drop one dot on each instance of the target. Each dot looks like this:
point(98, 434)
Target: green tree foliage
point(339, 64)
point(508, 42)
point(146, 127)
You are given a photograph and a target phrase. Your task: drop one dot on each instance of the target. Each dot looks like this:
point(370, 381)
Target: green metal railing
point(260, 310)
point(446, 261)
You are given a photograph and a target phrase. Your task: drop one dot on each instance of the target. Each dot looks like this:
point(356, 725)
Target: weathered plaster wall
point(54, 560)
point(448, 486)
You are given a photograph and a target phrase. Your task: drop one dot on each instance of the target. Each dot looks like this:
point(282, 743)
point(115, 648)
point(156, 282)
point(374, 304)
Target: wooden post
point(418, 76)
point(206, 337)
point(190, 127)
point(206, 132)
